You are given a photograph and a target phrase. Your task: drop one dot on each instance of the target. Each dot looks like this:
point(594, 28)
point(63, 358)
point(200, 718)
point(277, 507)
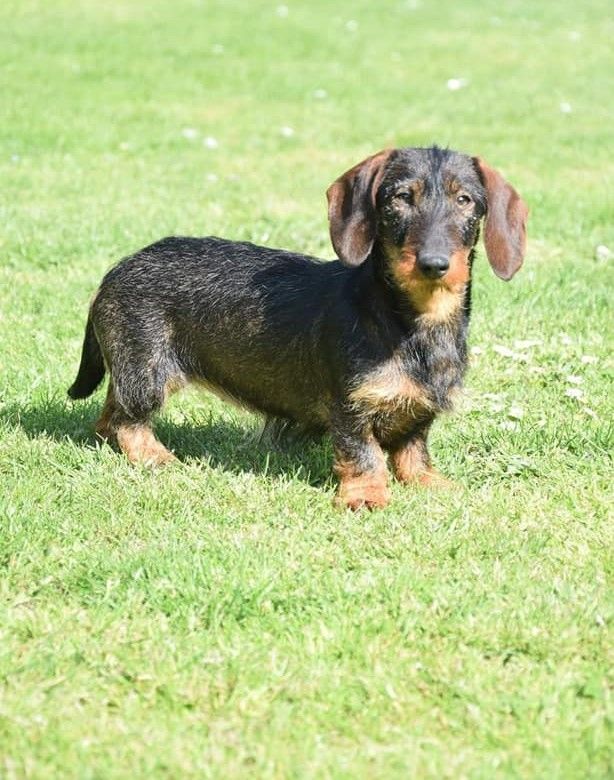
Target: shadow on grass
point(219, 442)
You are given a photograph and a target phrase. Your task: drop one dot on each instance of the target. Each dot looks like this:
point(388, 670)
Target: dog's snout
point(433, 266)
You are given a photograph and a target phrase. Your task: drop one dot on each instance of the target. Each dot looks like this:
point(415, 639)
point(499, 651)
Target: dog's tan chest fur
point(388, 392)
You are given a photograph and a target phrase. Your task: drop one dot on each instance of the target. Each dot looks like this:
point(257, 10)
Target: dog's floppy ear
point(351, 208)
point(505, 232)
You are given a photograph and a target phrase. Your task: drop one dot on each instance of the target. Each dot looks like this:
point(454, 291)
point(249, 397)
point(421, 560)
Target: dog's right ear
point(351, 208)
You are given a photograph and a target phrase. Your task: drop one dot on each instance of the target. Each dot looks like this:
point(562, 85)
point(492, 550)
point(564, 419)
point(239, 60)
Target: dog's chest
point(400, 394)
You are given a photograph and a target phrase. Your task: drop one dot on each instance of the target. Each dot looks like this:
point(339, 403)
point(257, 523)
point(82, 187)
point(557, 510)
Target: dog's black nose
point(433, 266)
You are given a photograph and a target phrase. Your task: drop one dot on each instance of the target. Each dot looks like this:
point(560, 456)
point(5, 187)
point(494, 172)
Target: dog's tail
point(91, 369)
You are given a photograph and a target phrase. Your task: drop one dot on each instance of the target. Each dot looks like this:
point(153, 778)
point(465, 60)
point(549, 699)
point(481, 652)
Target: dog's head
point(420, 210)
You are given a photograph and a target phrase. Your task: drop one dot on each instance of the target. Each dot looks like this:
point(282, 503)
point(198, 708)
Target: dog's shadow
point(221, 443)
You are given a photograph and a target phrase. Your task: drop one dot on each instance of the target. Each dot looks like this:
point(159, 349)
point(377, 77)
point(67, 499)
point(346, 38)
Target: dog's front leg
point(411, 462)
point(360, 466)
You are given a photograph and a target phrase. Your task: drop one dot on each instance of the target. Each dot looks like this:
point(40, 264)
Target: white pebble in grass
point(565, 108)
point(574, 35)
point(565, 339)
point(492, 396)
point(210, 142)
point(455, 84)
point(504, 351)
point(190, 133)
point(212, 177)
point(287, 132)
point(351, 25)
point(602, 252)
point(217, 48)
point(587, 359)
point(574, 379)
point(574, 392)
point(476, 350)
point(590, 412)
point(508, 425)
point(515, 412)
point(320, 94)
point(282, 11)
point(526, 343)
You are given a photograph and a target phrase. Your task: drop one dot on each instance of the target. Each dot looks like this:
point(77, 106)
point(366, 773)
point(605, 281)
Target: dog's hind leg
point(104, 426)
point(133, 397)
point(139, 444)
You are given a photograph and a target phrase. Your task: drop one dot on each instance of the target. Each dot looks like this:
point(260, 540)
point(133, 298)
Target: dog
point(369, 348)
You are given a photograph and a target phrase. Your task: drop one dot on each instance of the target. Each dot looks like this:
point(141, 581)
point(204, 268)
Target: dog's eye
point(404, 197)
point(463, 200)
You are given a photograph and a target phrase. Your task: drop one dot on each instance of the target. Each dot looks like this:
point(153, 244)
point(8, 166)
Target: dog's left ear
point(351, 208)
point(505, 232)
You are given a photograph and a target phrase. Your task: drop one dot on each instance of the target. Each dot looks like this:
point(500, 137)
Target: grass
point(219, 619)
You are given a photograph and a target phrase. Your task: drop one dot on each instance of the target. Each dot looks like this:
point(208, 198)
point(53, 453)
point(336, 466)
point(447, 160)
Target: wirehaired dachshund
point(369, 347)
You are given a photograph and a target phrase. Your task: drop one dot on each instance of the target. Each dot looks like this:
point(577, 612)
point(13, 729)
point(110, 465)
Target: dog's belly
point(270, 394)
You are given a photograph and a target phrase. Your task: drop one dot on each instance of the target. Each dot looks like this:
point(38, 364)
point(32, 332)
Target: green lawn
point(219, 619)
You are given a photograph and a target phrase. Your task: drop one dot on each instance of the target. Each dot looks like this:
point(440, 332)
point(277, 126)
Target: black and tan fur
point(370, 347)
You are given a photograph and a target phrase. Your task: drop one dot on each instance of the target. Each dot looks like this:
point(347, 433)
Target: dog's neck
point(450, 317)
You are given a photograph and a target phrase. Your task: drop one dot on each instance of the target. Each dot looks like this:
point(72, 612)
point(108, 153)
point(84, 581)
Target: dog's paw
point(434, 480)
point(357, 495)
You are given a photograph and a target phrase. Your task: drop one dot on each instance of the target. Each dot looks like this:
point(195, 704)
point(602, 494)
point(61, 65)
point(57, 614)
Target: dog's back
point(247, 321)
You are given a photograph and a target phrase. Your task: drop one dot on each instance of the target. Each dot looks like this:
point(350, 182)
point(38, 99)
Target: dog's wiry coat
point(370, 347)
